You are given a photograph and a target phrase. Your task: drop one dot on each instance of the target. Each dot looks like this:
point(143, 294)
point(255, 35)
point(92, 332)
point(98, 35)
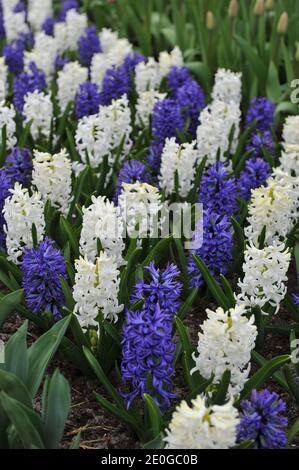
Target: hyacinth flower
point(262, 420)
point(89, 44)
point(167, 118)
point(254, 175)
point(87, 100)
point(48, 26)
point(14, 56)
point(218, 192)
point(216, 249)
point(27, 82)
point(42, 268)
point(177, 77)
point(5, 185)
point(131, 171)
point(259, 140)
point(147, 344)
point(66, 6)
point(19, 166)
point(191, 99)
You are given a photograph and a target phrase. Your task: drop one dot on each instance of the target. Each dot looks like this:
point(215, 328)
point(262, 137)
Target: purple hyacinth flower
point(162, 287)
point(262, 420)
point(60, 62)
point(262, 111)
point(218, 192)
point(6, 184)
point(2, 29)
point(87, 100)
point(148, 352)
point(14, 56)
point(27, 82)
point(214, 233)
point(177, 77)
point(116, 83)
point(132, 59)
point(131, 171)
point(48, 26)
point(296, 299)
point(153, 158)
point(167, 118)
point(19, 166)
point(254, 175)
point(89, 44)
point(42, 268)
point(259, 140)
point(192, 100)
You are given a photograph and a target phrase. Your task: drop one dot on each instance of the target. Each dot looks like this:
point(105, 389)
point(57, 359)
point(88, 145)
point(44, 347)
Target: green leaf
point(118, 412)
point(68, 232)
point(26, 422)
point(293, 386)
point(9, 303)
point(256, 63)
point(159, 251)
point(42, 351)
point(261, 361)
point(293, 431)
point(273, 85)
point(186, 306)
point(14, 387)
point(263, 374)
point(75, 444)
point(156, 443)
point(220, 396)
point(25, 134)
point(56, 401)
point(16, 356)
point(214, 287)
point(153, 414)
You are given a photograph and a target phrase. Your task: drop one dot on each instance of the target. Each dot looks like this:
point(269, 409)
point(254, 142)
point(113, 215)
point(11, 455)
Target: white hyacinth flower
point(265, 275)
point(225, 343)
point(101, 62)
point(69, 79)
point(37, 15)
point(271, 206)
point(227, 86)
point(168, 60)
point(102, 221)
point(147, 75)
point(3, 79)
point(68, 33)
point(181, 159)
point(96, 288)
point(14, 24)
point(145, 104)
point(140, 204)
point(290, 131)
point(38, 107)
point(52, 176)
point(213, 132)
point(21, 211)
point(102, 133)
point(44, 61)
point(201, 426)
point(108, 39)
point(7, 118)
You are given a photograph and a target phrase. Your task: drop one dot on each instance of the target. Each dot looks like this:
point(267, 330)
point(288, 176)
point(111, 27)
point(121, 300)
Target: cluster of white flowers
point(147, 75)
point(21, 211)
point(140, 204)
point(37, 13)
point(52, 177)
point(181, 159)
point(68, 33)
point(108, 39)
point(290, 131)
point(38, 108)
point(102, 61)
point(7, 118)
point(45, 62)
point(3, 79)
point(146, 101)
point(102, 133)
point(202, 427)
point(271, 206)
point(14, 22)
point(170, 59)
point(102, 221)
point(96, 288)
point(216, 123)
point(265, 275)
point(289, 161)
point(227, 86)
point(225, 343)
point(68, 81)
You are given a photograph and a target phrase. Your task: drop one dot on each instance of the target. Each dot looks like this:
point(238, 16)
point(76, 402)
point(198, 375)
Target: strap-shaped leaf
point(9, 303)
point(153, 415)
point(14, 387)
point(16, 356)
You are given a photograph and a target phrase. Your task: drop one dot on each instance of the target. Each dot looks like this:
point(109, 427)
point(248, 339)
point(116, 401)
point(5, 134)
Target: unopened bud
point(297, 52)
point(233, 8)
point(269, 4)
point(259, 7)
point(283, 22)
point(210, 20)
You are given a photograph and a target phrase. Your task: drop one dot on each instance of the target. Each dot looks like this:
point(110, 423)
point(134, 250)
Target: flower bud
point(297, 52)
point(210, 20)
point(283, 22)
point(269, 4)
point(259, 7)
point(233, 8)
